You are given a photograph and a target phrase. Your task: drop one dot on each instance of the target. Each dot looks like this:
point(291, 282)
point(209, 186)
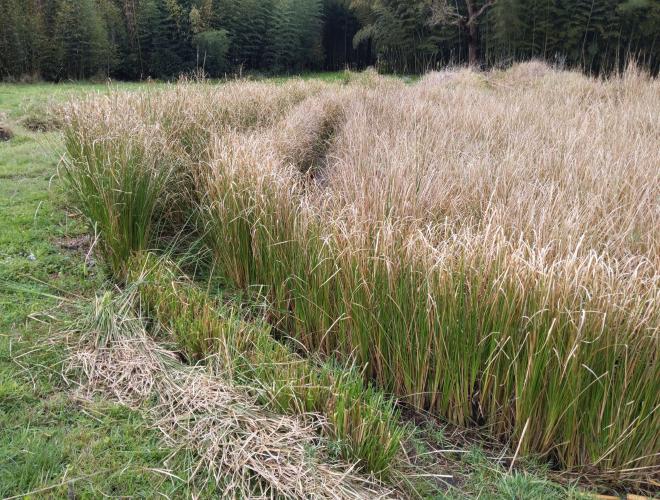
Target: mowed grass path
point(50, 444)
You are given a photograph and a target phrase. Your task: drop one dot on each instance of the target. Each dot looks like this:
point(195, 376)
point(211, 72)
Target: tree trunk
point(473, 44)
point(472, 33)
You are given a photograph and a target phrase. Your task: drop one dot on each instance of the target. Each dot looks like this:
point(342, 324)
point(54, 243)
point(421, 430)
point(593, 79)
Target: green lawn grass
point(54, 446)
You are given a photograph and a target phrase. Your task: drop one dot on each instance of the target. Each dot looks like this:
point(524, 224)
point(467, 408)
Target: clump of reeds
point(486, 244)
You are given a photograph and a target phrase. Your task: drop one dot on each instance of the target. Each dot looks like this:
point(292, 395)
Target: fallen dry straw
point(249, 451)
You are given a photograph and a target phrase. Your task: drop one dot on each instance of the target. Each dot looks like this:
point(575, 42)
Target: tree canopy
point(134, 39)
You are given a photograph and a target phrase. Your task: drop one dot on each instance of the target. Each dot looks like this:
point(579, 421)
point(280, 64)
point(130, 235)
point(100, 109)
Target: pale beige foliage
point(530, 198)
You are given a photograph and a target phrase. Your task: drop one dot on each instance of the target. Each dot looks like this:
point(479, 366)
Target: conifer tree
point(22, 37)
point(80, 46)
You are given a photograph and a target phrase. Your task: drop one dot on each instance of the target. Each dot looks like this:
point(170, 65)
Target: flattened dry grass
point(249, 451)
point(485, 244)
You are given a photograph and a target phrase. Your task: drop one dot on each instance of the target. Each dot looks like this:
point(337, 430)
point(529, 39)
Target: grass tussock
point(42, 121)
point(485, 244)
point(5, 133)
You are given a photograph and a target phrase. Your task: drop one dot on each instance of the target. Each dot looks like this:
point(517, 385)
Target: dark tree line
point(133, 39)
point(596, 35)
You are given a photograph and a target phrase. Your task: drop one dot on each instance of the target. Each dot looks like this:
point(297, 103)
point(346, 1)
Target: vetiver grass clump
point(484, 244)
point(128, 171)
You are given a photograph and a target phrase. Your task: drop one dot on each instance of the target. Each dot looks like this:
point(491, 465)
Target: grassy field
point(266, 200)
